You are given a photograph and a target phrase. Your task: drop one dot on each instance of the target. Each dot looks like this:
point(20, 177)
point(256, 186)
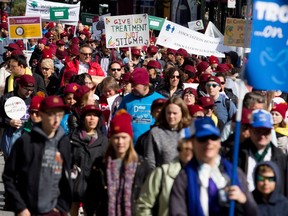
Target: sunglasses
point(34, 112)
point(28, 89)
point(86, 54)
point(211, 85)
point(206, 138)
point(263, 178)
point(115, 69)
point(173, 77)
point(46, 69)
point(222, 83)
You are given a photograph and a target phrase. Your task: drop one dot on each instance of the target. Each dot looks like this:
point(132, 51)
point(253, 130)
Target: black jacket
point(277, 156)
point(22, 173)
point(276, 204)
point(96, 199)
point(84, 154)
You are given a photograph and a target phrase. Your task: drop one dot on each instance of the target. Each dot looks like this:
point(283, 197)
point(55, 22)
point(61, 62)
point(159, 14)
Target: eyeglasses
point(222, 83)
point(86, 54)
point(173, 77)
point(28, 89)
point(34, 112)
point(46, 69)
point(263, 178)
point(211, 85)
point(115, 69)
point(206, 138)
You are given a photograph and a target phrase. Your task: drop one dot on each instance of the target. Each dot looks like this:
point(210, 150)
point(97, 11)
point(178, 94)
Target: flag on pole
point(267, 67)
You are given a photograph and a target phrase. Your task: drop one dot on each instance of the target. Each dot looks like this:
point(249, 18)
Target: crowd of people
point(145, 131)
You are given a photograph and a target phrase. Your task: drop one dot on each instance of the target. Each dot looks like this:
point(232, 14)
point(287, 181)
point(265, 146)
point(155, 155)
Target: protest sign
point(42, 8)
point(269, 46)
point(98, 26)
point(57, 13)
point(235, 32)
point(15, 107)
point(87, 18)
point(127, 31)
point(176, 36)
point(155, 23)
point(196, 25)
point(24, 27)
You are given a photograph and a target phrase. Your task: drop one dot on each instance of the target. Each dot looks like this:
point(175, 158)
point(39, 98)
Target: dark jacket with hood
point(22, 171)
point(276, 204)
point(85, 151)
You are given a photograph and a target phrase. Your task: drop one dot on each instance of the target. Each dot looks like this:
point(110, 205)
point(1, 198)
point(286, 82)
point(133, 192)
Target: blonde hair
point(130, 155)
point(48, 63)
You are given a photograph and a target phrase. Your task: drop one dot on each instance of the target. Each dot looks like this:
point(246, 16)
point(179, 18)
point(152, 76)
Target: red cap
point(121, 123)
point(158, 102)
point(202, 66)
point(26, 80)
point(35, 102)
point(12, 46)
point(74, 50)
point(63, 34)
point(80, 92)
point(42, 40)
point(68, 74)
point(75, 40)
point(49, 34)
point(152, 50)
point(171, 51)
point(71, 88)
point(280, 108)
point(182, 52)
point(139, 76)
point(52, 102)
point(195, 108)
point(90, 109)
point(214, 79)
point(190, 68)
point(47, 53)
point(154, 64)
point(60, 43)
point(50, 25)
point(204, 77)
point(136, 52)
point(222, 68)
point(190, 91)
point(16, 53)
point(126, 77)
point(20, 43)
point(61, 54)
point(205, 102)
point(213, 60)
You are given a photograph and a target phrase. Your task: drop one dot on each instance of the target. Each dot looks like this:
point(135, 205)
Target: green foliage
point(18, 8)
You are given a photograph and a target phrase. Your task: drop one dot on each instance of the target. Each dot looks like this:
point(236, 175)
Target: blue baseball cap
point(261, 118)
point(202, 127)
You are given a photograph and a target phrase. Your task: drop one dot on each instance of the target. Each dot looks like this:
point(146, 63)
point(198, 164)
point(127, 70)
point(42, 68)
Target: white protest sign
point(127, 31)
point(196, 25)
point(42, 8)
point(176, 36)
point(15, 107)
point(98, 26)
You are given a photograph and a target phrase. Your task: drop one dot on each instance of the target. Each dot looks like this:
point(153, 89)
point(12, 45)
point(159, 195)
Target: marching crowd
point(141, 131)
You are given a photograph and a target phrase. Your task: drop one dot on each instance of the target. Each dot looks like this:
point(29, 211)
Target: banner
point(155, 23)
point(196, 25)
point(87, 18)
point(24, 27)
point(176, 36)
point(235, 32)
point(269, 46)
point(42, 8)
point(127, 31)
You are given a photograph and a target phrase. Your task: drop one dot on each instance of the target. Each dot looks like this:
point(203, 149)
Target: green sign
point(87, 18)
point(57, 13)
point(155, 23)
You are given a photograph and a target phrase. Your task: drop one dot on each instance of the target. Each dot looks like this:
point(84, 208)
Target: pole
point(238, 117)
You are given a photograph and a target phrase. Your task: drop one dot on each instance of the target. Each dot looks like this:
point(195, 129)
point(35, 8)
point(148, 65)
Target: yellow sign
point(235, 32)
point(24, 27)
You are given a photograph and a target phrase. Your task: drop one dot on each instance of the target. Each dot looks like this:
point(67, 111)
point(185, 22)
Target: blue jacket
point(277, 204)
point(140, 110)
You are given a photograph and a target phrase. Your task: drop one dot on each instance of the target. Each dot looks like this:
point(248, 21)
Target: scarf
point(86, 138)
point(260, 157)
point(282, 131)
point(12, 77)
point(193, 188)
point(120, 183)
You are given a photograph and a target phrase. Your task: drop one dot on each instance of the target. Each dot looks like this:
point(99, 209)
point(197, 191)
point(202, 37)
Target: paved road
point(2, 213)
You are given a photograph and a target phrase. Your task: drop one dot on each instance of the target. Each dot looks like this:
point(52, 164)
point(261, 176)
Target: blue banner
point(267, 67)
